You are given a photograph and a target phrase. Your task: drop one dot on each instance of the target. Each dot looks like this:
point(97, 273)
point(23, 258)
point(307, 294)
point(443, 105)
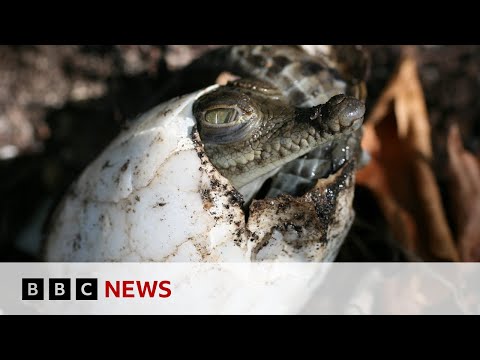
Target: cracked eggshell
point(307, 228)
point(153, 195)
point(150, 196)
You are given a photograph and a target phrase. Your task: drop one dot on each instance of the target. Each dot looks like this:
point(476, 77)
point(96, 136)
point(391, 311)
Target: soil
point(61, 105)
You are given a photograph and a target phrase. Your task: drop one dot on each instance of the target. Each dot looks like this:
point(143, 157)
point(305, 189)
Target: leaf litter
point(397, 135)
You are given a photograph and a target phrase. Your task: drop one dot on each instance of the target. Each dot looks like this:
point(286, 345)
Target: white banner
point(239, 288)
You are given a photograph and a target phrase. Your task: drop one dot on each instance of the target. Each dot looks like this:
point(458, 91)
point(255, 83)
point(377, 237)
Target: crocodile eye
point(221, 116)
point(227, 115)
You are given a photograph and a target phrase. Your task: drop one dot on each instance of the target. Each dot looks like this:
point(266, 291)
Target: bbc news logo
point(59, 289)
point(87, 289)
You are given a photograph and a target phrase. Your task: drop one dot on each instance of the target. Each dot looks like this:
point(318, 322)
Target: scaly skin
point(304, 79)
point(268, 131)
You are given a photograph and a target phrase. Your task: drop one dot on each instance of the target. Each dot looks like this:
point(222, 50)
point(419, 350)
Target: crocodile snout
point(343, 113)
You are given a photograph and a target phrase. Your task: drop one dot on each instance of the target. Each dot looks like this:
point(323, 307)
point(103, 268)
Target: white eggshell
point(151, 196)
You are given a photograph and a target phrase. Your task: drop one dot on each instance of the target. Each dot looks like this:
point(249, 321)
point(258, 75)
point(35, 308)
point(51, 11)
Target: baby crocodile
point(249, 129)
point(290, 109)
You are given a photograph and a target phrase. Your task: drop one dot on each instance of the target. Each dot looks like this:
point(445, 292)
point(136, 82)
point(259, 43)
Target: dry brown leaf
point(400, 172)
point(374, 176)
point(464, 190)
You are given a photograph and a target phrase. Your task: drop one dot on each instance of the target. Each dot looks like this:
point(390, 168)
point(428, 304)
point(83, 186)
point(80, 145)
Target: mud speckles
point(127, 205)
point(299, 216)
point(207, 205)
point(125, 166)
point(310, 227)
point(158, 139)
point(159, 204)
point(77, 242)
point(199, 148)
point(284, 206)
point(215, 184)
point(202, 156)
point(106, 165)
point(206, 199)
point(235, 198)
point(202, 249)
point(289, 226)
point(238, 238)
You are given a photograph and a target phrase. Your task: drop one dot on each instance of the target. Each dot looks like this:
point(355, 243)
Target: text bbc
point(87, 289)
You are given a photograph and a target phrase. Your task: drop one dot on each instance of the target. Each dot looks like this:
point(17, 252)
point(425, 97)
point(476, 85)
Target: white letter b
point(32, 289)
point(59, 289)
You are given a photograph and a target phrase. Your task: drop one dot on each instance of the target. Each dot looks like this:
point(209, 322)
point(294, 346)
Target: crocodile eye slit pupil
point(220, 116)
